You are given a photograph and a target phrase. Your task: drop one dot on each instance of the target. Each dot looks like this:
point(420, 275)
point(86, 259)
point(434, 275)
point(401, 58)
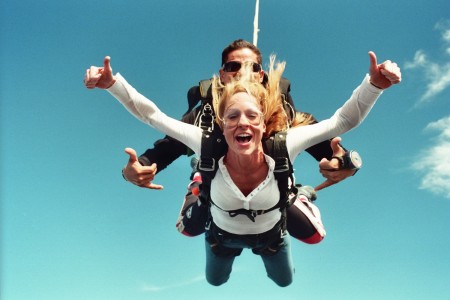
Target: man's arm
point(164, 152)
point(331, 168)
point(168, 149)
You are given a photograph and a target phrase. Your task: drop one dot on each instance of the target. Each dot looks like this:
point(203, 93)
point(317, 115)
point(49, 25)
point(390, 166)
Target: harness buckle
point(251, 214)
point(207, 118)
point(208, 164)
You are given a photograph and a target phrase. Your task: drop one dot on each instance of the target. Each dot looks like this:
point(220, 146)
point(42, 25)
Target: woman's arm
point(146, 111)
point(352, 113)
point(141, 107)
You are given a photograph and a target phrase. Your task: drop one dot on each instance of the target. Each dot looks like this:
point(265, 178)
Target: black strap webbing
point(283, 167)
point(276, 148)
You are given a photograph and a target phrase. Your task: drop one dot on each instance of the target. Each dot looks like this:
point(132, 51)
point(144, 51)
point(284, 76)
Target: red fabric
point(314, 239)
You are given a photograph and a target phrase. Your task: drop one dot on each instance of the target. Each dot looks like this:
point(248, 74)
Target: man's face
point(241, 55)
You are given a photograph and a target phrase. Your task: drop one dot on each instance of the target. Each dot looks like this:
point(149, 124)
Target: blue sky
point(72, 228)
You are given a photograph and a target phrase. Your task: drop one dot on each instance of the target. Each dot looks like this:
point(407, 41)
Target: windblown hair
point(302, 119)
point(268, 97)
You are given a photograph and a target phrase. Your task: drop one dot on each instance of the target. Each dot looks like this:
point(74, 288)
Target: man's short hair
point(240, 44)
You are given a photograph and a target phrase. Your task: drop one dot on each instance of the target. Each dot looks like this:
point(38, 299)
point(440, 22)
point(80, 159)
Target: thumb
point(336, 147)
point(107, 64)
point(373, 62)
point(132, 153)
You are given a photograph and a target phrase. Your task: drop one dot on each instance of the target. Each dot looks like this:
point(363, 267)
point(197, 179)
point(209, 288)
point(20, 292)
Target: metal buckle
point(207, 118)
point(208, 165)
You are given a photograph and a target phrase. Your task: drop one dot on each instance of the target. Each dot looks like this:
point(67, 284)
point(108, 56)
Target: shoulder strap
point(213, 147)
point(213, 144)
point(283, 172)
point(285, 86)
point(288, 104)
point(206, 88)
point(275, 147)
point(200, 92)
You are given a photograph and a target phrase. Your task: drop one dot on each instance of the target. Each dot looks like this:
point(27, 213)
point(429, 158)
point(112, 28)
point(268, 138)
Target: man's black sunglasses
point(234, 66)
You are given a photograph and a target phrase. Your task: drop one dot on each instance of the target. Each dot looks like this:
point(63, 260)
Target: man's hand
point(138, 174)
point(330, 169)
point(383, 75)
point(100, 77)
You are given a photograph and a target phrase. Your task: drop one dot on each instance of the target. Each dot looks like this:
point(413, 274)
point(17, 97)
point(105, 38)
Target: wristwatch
point(351, 160)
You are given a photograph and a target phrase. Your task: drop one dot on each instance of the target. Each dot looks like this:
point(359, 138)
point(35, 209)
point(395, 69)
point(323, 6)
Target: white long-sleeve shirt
point(224, 192)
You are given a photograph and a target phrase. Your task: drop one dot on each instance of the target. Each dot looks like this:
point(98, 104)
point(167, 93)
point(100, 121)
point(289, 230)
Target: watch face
point(355, 159)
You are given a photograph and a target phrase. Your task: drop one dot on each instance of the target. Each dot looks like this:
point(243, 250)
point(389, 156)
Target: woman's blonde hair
point(269, 97)
point(302, 119)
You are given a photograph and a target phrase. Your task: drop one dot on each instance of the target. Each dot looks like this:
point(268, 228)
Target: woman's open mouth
point(243, 138)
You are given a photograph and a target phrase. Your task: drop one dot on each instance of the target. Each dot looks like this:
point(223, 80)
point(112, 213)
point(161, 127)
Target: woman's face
point(243, 124)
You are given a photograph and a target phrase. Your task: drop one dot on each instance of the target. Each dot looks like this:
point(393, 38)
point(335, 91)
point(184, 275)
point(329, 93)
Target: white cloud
point(157, 288)
point(437, 75)
point(444, 27)
point(434, 162)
